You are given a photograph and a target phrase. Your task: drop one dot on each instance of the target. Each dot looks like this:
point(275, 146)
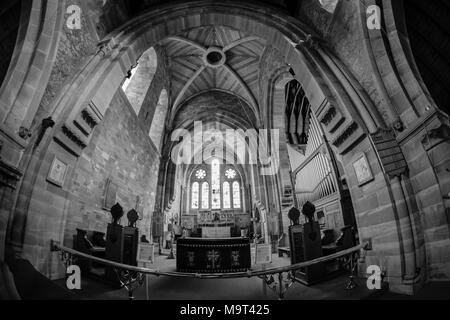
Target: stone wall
point(160, 81)
point(343, 32)
point(119, 150)
point(73, 48)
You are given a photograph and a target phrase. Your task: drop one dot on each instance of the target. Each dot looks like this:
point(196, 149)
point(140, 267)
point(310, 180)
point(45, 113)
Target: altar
point(208, 255)
point(216, 232)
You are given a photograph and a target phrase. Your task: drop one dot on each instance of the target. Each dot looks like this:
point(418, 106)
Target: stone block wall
point(73, 48)
point(160, 81)
point(428, 161)
point(119, 150)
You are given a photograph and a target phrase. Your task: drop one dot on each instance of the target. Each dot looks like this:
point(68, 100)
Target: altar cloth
point(206, 255)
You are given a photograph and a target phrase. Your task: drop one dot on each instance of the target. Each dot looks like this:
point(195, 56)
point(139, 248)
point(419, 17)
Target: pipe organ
point(315, 180)
point(314, 177)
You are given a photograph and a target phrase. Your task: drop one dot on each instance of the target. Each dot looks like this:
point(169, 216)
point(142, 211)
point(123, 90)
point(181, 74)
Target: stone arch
point(24, 85)
point(158, 125)
point(419, 113)
point(332, 100)
point(140, 78)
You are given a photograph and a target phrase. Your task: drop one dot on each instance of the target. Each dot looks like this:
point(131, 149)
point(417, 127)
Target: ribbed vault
point(214, 58)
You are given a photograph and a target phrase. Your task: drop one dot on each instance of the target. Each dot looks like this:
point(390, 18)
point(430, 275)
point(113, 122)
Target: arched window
point(137, 84)
point(236, 195)
point(226, 195)
point(195, 195)
point(159, 119)
point(205, 195)
point(215, 184)
point(297, 114)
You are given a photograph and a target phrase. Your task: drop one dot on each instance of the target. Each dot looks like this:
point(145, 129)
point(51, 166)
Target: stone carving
point(308, 211)
point(116, 213)
point(24, 133)
point(73, 137)
point(133, 217)
point(294, 215)
point(89, 119)
point(332, 119)
point(328, 117)
point(346, 134)
point(442, 132)
point(309, 42)
point(398, 126)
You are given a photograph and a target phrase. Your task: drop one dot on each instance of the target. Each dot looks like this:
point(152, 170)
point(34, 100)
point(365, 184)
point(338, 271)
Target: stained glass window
point(205, 195)
point(236, 195)
point(195, 195)
point(230, 174)
point(215, 184)
point(216, 188)
point(226, 195)
point(201, 174)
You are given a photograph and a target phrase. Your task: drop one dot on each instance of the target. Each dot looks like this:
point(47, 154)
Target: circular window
point(214, 57)
point(201, 174)
point(230, 174)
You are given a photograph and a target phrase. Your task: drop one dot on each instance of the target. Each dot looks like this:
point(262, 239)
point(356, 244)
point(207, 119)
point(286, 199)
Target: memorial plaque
point(57, 173)
point(362, 170)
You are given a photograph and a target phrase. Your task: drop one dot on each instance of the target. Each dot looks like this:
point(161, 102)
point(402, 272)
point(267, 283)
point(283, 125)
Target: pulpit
point(206, 255)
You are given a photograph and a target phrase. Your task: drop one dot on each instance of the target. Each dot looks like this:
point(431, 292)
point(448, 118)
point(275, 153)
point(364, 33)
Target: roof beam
point(247, 90)
point(186, 87)
point(239, 42)
point(189, 42)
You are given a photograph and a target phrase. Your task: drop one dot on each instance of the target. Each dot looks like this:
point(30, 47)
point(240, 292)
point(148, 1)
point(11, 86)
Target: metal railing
point(132, 277)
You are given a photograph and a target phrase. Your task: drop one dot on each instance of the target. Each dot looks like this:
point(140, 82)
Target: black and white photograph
point(224, 159)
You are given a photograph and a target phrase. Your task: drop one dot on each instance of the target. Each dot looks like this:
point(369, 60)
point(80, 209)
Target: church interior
point(265, 149)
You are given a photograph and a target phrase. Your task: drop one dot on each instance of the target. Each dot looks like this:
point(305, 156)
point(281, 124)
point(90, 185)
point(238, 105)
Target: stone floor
point(166, 288)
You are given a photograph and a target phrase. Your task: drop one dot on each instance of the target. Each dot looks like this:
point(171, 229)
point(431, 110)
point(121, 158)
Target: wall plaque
point(57, 173)
point(362, 170)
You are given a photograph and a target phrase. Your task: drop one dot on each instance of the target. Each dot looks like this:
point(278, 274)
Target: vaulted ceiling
point(214, 58)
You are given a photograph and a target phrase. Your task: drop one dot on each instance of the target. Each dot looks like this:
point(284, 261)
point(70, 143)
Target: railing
point(132, 277)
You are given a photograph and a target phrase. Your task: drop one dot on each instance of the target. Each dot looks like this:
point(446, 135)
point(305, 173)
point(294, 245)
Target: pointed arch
point(159, 119)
